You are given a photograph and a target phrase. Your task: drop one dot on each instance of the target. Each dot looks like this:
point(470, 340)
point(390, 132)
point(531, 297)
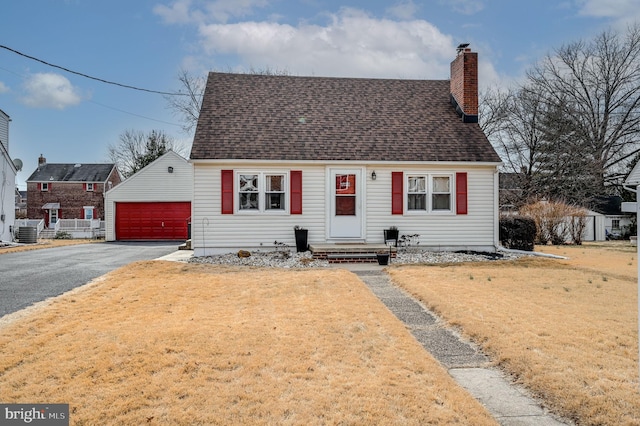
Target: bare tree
point(595, 88)
point(518, 135)
point(135, 150)
point(187, 104)
point(570, 131)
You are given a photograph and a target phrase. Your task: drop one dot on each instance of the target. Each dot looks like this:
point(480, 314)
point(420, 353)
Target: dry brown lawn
point(43, 244)
point(167, 343)
point(567, 329)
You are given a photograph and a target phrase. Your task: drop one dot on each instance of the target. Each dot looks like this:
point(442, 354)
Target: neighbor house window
point(44, 186)
point(429, 193)
point(615, 223)
point(260, 192)
point(90, 187)
point(88, 212)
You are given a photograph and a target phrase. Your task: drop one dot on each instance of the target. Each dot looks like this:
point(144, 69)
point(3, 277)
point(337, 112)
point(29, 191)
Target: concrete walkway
point(509, 404)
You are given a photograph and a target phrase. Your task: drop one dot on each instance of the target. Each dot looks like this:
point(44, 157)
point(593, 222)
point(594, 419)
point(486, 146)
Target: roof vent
point(77, 165)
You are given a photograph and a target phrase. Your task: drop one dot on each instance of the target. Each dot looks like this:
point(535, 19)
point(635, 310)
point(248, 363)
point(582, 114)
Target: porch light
point(170, 169)
point(373, 175)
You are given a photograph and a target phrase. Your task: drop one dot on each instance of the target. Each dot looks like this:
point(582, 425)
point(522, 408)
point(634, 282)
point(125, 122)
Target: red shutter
point(296, 191)
point(39, 186)
point(227, 191)
point(397, 193)
point(84, 188)
point(82, 213)
point(461, 193)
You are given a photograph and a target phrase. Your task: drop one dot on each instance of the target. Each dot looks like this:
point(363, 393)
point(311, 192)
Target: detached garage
point(153, 204)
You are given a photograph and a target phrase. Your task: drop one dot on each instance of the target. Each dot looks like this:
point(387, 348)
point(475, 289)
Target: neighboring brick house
point(69, 191)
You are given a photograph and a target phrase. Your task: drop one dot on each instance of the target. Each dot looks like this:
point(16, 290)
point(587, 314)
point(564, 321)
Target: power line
point(133, 113)
point(106, 106)
point(126, 86)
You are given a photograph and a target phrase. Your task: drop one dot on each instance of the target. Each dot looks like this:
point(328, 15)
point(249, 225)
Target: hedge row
point(517, 232)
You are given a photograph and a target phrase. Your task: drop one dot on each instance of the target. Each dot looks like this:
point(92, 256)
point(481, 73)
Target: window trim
point(429, 187)
point(262, 192)
point(88, 208)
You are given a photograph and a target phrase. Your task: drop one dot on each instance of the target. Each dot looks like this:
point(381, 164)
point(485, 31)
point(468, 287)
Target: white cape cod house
point(344, 158)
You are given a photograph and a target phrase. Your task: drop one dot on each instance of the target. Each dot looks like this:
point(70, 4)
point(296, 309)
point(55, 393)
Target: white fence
point(81, 228)
point(36, 223)
point(77, 228)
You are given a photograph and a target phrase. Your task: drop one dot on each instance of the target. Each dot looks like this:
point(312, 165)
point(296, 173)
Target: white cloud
point(608, 8)
point(3, 88)
point(199, 11)
point(48, 90)
point(352, 44)
point(621, 12)
point(177, 13)
point(403, 10)
point(466, 7)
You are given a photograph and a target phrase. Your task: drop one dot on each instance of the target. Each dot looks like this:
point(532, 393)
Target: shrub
point(557, 222)
point(518, 232)
point(62, 235)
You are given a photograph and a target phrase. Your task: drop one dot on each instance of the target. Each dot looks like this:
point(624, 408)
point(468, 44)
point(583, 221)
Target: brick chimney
point(464, 84)
point(42, 161)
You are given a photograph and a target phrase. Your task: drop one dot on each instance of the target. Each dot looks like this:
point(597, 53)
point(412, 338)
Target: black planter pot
point(383, 258)
point(391, 234)
point(302, 236)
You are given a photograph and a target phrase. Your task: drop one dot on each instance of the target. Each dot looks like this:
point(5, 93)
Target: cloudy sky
point(72, 115)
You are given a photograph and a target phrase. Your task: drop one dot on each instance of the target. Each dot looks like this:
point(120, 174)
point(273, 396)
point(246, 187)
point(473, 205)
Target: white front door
point(53, 217)
point(345, 205)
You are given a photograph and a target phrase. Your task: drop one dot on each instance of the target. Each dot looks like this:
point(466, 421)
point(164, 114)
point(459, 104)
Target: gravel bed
point(285, 259)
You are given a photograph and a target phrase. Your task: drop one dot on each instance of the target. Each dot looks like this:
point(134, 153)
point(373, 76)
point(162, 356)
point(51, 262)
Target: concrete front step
point(350, 253)
point(47, 234)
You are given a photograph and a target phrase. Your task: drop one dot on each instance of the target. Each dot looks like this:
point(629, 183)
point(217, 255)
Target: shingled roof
point(265, 117)
point(71, 173)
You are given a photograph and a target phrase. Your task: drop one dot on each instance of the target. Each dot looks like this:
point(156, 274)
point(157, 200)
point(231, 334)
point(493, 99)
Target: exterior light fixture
point(373, 175)
point(170, 169)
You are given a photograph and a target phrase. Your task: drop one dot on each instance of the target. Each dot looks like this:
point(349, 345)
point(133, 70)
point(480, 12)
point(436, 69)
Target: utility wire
point(134, 114)
point(126, 86)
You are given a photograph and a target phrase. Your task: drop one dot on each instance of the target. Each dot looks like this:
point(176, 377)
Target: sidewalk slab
point(509, 404)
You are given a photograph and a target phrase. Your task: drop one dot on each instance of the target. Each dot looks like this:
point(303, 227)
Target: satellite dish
point(18, 163)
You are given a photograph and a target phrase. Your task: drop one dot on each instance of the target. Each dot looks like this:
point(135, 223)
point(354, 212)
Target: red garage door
point(152, 221)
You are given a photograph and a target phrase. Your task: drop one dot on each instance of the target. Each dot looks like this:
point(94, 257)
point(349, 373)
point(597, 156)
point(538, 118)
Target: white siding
point(4, 130)
point(213, 232)
point(7, 182)
point(152, 184)
point(473, 231)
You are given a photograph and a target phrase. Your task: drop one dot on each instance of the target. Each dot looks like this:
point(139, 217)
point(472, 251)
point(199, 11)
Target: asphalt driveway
point(31, 276)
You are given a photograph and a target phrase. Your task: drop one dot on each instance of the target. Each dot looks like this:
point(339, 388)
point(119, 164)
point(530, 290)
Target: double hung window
point(429, 193)
point(262, 192)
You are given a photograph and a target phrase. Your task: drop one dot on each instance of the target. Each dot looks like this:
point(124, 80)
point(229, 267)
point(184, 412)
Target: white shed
point(153, 204)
